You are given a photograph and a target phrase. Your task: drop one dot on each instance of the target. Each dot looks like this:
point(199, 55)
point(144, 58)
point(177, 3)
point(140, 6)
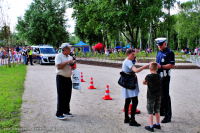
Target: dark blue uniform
point(163, 58)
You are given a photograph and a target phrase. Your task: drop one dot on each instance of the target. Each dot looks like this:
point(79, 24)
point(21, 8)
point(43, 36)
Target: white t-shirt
point(195, 50)
point(66, 71)
point(106, 52)
point(16, 56)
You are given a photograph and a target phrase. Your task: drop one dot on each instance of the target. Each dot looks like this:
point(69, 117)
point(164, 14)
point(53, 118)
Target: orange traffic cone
point(82, 77)
point(91, 84)
point(107, 94)
point(129, 111)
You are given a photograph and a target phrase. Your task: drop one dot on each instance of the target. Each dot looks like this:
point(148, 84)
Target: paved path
point(92, 114)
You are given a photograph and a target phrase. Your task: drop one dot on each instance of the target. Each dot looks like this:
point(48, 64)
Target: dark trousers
point(64, 91)
point(30, 57)
point(133, 109)
point(166, 100)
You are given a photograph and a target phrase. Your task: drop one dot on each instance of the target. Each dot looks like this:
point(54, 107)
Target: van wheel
point(41, 62)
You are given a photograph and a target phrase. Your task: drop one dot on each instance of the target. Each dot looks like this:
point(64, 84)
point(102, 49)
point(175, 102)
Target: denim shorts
point(153, 105)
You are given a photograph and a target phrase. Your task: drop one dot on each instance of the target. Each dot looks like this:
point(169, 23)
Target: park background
point(113, 23)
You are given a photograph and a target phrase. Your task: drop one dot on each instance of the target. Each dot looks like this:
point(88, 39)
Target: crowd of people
point(21, 55)
point(188, 51)
point(108, 51)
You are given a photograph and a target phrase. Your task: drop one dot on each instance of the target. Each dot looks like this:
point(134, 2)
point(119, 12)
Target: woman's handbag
point(128, 80)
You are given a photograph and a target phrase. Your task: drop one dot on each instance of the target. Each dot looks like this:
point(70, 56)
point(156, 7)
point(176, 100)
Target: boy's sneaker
point(149, 128)
point(68, 114)
point(156, 126)
point(61, 117)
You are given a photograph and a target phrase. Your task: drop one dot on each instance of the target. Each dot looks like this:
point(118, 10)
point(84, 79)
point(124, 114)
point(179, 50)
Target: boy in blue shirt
point(153, 82)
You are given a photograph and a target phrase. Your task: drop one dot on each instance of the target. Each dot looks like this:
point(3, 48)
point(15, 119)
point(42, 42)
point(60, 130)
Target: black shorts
point(153, 105)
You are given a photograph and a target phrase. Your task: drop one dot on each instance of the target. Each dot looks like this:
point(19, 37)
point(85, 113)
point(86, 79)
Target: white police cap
point(160, 41)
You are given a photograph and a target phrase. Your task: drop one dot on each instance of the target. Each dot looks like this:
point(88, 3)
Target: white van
point(43, 54)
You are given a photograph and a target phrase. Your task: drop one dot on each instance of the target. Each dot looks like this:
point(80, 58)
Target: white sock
point(157, 124)
point(151, 126)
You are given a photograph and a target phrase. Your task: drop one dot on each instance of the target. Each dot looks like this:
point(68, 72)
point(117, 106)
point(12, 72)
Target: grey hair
point(64, 48)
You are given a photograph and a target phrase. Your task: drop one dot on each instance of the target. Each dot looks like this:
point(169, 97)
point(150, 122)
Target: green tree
point(44, 23)
point(74, 40)
point(168, 18)
point(84, 29)
point(188, 24)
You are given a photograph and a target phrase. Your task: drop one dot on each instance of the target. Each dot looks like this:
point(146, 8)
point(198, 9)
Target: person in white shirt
point(20, 57)
point(63, 81)
point(16, 57)
point(106, 52)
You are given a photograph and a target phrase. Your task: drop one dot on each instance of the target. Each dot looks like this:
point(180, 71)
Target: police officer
point(29, 56)
point(166, 61)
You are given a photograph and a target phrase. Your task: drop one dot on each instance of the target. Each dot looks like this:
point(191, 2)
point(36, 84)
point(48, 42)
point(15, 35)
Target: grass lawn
point(11, 90)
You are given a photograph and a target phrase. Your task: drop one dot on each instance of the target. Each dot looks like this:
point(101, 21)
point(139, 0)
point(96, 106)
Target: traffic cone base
point(91, 87)
point(107, 98)
point(129, 112)
point(137, 111)
point(82, 80)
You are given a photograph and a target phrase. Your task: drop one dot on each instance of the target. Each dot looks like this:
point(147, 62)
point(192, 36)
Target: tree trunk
point(13, 58)
point(149, 36)
point(140, 40)
point(136, 37)
point(155, 41)
point(107, 41)
point(130, 43)
point(178, 40)
point(120, 41)
point(168, 34)
point(153, 38)
point(126, 38)
point(130, 35)
point(8, 57)
point(104, 41)
point(168, 37)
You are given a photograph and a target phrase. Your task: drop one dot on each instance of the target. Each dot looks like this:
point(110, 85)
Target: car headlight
point(45, 57)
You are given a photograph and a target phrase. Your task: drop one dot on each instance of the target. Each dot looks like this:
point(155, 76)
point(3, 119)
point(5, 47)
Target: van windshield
point(47, 50)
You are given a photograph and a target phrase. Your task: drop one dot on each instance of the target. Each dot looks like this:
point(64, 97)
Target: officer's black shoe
point(134, 123)
point(126, 120)
point(156, 126)
point(149, 128)
point(166, 120)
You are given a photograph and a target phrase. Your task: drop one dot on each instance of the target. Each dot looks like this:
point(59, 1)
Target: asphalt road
point(93, 114)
